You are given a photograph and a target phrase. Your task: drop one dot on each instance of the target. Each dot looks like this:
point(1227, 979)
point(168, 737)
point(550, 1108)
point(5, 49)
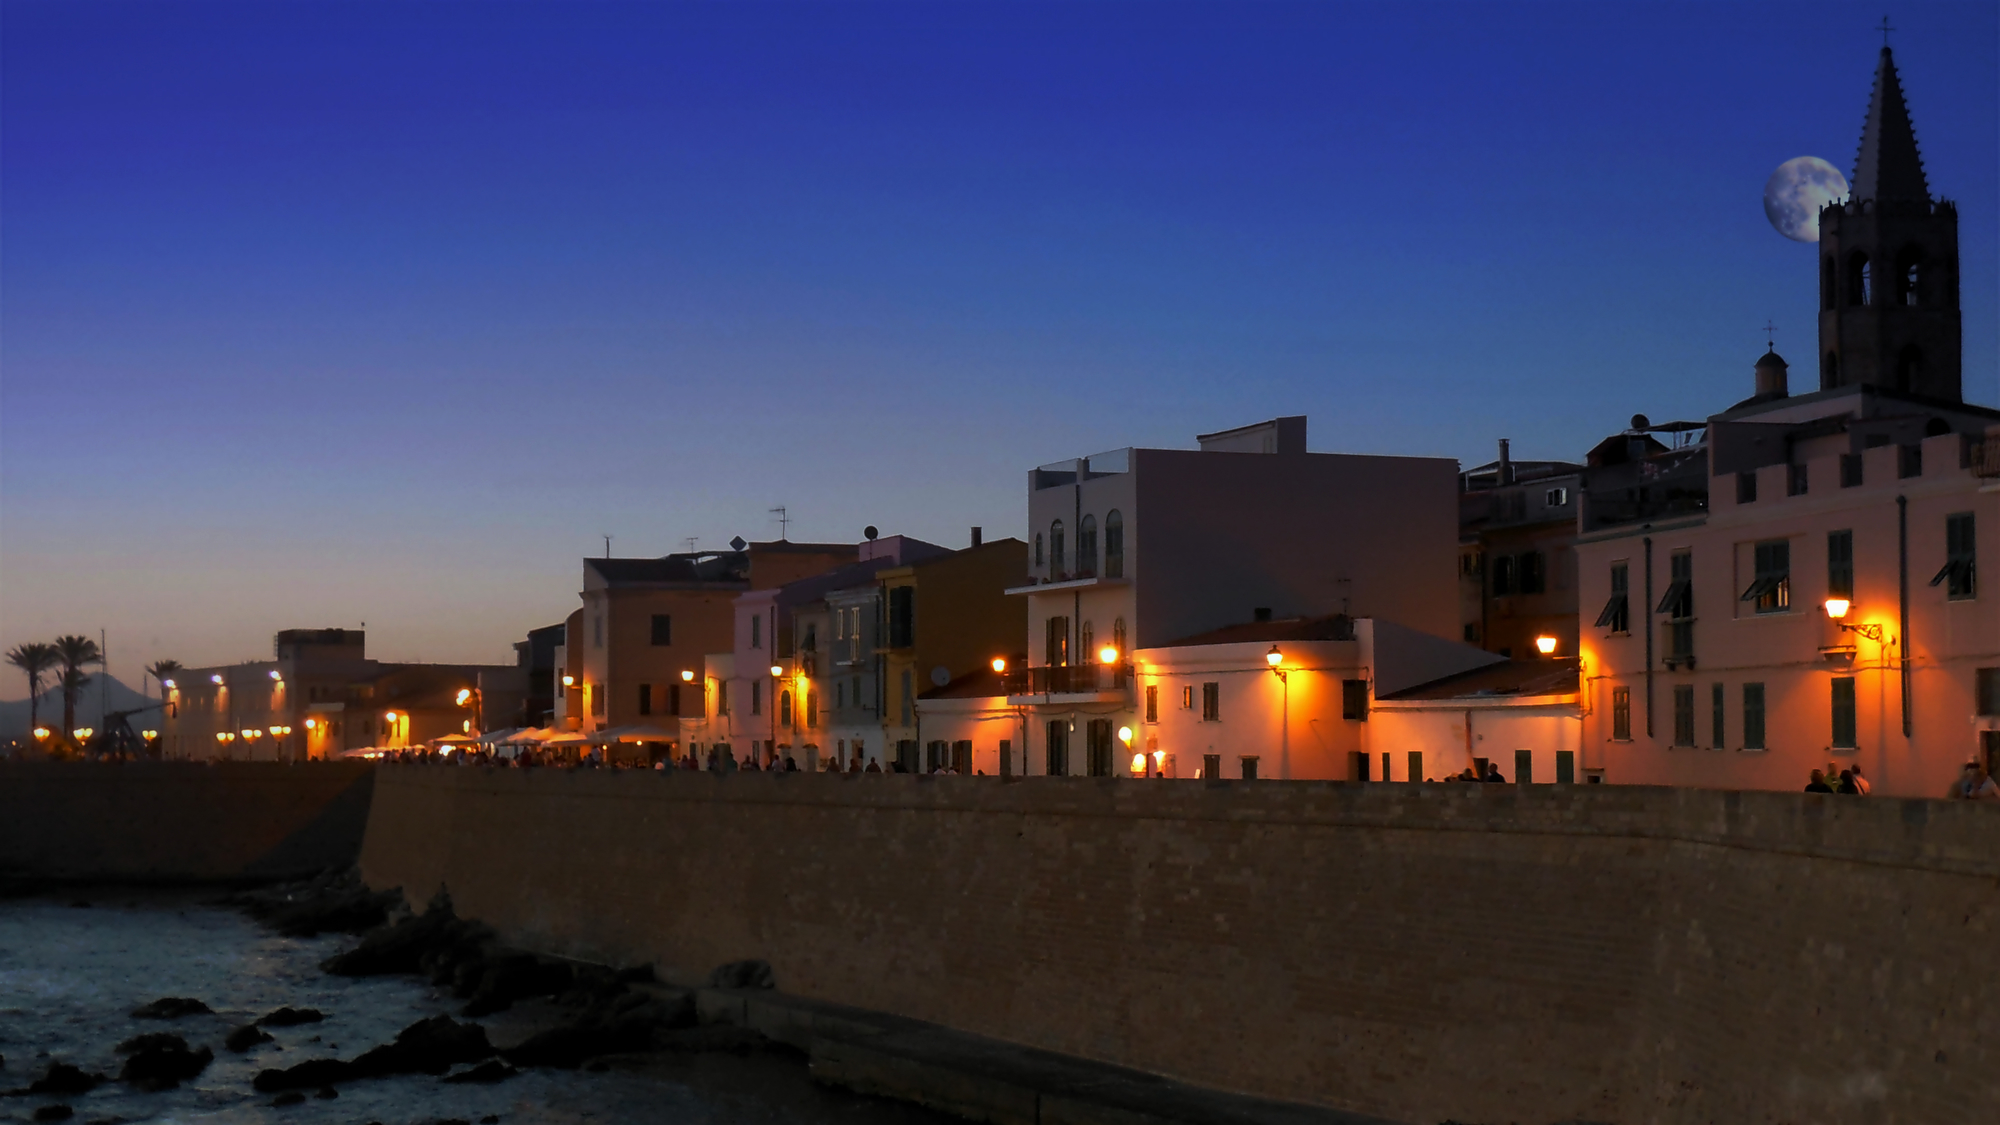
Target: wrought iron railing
point(1068, 679)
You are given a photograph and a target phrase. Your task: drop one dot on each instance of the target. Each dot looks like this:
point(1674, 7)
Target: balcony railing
point(1068, 679)
point(1982, 456)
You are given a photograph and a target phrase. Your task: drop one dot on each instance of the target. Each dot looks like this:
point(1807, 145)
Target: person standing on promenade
point(1818, 783)
point(1860, 783)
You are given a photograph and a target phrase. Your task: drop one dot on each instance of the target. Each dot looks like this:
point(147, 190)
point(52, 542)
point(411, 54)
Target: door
point(1097, 737)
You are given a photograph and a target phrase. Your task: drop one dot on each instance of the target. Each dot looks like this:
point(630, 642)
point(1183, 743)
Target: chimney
point(978, 536)
point(1506, 473)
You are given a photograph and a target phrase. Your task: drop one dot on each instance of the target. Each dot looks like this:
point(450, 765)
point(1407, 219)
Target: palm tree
point(163, 670)
point(75, 653)
point(35, 660)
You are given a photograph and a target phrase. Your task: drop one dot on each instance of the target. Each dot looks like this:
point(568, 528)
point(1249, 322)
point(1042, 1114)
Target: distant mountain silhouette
point(14, 713)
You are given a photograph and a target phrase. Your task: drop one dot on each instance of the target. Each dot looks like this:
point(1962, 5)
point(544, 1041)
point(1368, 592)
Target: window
point(908, 699)
point(784, 708)
point(1771, 590)
point(1249, 767)
point(1524, 767)
point(1152, 703)
point(1055, 758)
point(1097, 748)
point(1829, 376)
point(1850, 470)
point(1211, 766)
point(840, 696)
point(1086, 546)
point(1683, 714)
point(1860, 280)
point(1565, 767)
point(663, 629)
point(1617, 614)
point(1909, 461)
point(1357, 766)
point(1621, 714)
point(1960, 575)
point(936, 753)
point(902, 616)
point(1746, 487)
point(1087, 642)
point(1056, 566)
point(1986, 691)
point(1354, 700)
point(1840, 564)
point(1211, 702)
point(1556, 497)
point(1118, 637)
point(1909, 276)
point(810, 642)
point(1503, 575)
point(673, 699)
point(1753, 716)
point(1416, 765)
point(1472, 633)
point(1828, 289)
point(1797, 479)
point(596, 692)
point(722, 698)
point(1678, 605)
point(645, 699)
point(1055, 642)
point(756, 697)
point(961, 757)
point(1532, 575)
point(1006, 757)
point(1718, 733)
point(1038, 548)
point(806, 705)
point(1843, 712)
point(1187, 698)
point(756, 630)
point(1114, 544)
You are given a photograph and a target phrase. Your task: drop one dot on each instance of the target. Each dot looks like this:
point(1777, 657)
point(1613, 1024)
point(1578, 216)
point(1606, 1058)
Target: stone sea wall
point(1423, 953)
point(179, 822)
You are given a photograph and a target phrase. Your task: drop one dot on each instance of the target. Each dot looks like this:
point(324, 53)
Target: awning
point(1613, 610)
point(1766, 584)
point(1676, 593)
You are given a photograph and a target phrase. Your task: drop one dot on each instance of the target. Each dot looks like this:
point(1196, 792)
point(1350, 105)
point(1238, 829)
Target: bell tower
point(1888, 269)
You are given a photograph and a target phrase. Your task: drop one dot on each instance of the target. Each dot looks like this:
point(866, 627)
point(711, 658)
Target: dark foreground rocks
point(161, 1062)
point(291, 1017)
point(431, 1046)
point(246, 1037)
point(171, 1008)
point(63, 1079)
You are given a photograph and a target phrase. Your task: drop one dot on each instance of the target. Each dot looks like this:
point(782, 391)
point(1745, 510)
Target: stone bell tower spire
point(1889, 314)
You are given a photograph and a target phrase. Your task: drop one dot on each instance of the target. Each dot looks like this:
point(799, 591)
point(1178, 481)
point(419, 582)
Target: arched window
point(1829, 375)
point(1829, 288)
point(1860, 280)
point(1056, 566)
point(1909, 266)
point(1086, 546)
point(1089, 639)
point(1114, 544)
point(1118, 637)
point(1909, 368)
point(1038, 548)
point(785, 709)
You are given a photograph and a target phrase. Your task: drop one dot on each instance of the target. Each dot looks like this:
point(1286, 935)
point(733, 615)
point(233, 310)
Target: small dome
point(1772, 359)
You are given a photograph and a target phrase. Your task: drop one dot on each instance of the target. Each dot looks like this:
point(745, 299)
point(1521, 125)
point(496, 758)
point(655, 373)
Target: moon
point(1795, 193)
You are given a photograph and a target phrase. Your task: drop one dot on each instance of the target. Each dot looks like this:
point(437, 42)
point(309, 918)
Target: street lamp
point(1275, 659)
point(1545, 644)
point(1107, 655)
point(42, 734)
point(476, 699)
point(687, 676)
point(1836, 609)
point(277, 675)
point(1000, 664)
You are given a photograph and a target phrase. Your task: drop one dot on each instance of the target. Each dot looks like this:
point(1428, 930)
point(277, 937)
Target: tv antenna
point(607, 546)
point(784, 520)
point(690, 542)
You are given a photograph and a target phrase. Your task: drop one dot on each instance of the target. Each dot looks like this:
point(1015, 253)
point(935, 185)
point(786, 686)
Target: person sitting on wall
point(1818, 783)
point(1974, 785)
point(1846, 784)
point(1493, 775)
point(873, 766)
point(1861, 785)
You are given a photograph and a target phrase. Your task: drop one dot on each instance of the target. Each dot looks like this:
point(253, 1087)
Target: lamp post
point(476, 699)
point(1275, 660)
point(777, 684)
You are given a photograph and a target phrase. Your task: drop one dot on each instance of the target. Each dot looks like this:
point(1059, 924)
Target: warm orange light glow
point(223, 736)
point(1107, 655)
point(464, 696)
point(84, 732)
point(1837, 608)
point(391, 716)
point(169, 683)
point(1274, 657)
point(1159, 758)
point(777, 671)
point(42, 732)
point(466, 726)
point(569, 681)
point(149, 735)
point(1546, 644)
point(275, 675)
point(215, 679)
point(311, 723)
point(687, 677)
point(1125, 735)
point(999, 664)
point(1138, 763)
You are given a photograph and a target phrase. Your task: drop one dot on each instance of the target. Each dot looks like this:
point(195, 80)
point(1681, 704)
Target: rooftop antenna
point(784, 521)
point(690, 542)
point(1885, 29)
point(607, 546)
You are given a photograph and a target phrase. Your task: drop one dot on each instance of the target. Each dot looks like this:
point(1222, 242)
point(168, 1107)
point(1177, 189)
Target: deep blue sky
point(316, 314)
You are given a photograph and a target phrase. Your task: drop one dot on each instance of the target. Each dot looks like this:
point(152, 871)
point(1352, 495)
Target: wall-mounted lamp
point(1108, 654)
point(569, 681)
point(1000, 664)
point(1545, 644)
point(311, 723)
point(215, 679)
point(687, 677)
point(276, 675)
point(168, 683)
point(1836, 609)
point(1274, 658)
point(389, 715)
point(777, 672)
point(1125, 735)
point(464, 696)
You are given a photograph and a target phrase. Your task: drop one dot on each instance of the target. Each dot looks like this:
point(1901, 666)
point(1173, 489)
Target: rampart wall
point(180, 822)
point(1475, 953)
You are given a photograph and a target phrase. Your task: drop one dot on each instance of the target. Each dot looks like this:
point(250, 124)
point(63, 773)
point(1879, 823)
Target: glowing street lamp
point(277, 675)
point(777, 672)
point(569, 681)
point(1125, 735)
point(1837, 608)
point(464, 696)
point(1107, 655)
point(42, 734)
point(169, 684)
point(687, 676)
point(1000, 664)
point(1545, 644)
point(215, 679)
point(1274, 658)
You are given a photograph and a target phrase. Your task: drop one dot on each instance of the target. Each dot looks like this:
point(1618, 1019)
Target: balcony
point(1092, 680)
point(1982, 456)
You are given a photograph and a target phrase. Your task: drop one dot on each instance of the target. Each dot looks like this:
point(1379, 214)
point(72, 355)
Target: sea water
point(72, 970)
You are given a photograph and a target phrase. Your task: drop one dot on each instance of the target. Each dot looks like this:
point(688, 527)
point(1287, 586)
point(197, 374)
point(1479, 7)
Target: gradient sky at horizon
point(315, 314)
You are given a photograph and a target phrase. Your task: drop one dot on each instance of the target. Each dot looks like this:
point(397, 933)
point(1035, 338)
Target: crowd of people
point(1833, 779)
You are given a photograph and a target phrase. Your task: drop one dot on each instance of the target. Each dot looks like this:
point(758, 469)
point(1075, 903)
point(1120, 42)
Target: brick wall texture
point(180, 821)
point(1477, 953)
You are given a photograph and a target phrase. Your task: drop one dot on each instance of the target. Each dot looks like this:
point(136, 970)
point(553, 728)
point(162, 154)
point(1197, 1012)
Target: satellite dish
point(869, 532)
point(1641, 422)
point(737, 544)
point(940, 675)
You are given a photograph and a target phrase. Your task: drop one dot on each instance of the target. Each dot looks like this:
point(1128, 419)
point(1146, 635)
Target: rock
point(490, 1119)
point(426, 943)
point(311, 1073)
point(332, 902)
point(62, 1078)
point(289, 1097)
point(430, 1046)
point(598, 1067)
point(163, 1063)
point(246, 1037)
point(742, 974)
point(714, 1037)
point(327, 1093)
point(292, 1017)
point(54, 1113)
point(637, 974)
point(508, 977)
point(171, 1008)
point(486, 1073)
point(152, 1040)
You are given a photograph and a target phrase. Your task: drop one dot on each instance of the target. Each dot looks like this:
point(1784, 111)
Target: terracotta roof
point(1509, 677)
point(1338, 627)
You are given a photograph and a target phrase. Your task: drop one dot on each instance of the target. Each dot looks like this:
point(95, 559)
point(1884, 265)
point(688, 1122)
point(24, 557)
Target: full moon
point(1795, 193)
